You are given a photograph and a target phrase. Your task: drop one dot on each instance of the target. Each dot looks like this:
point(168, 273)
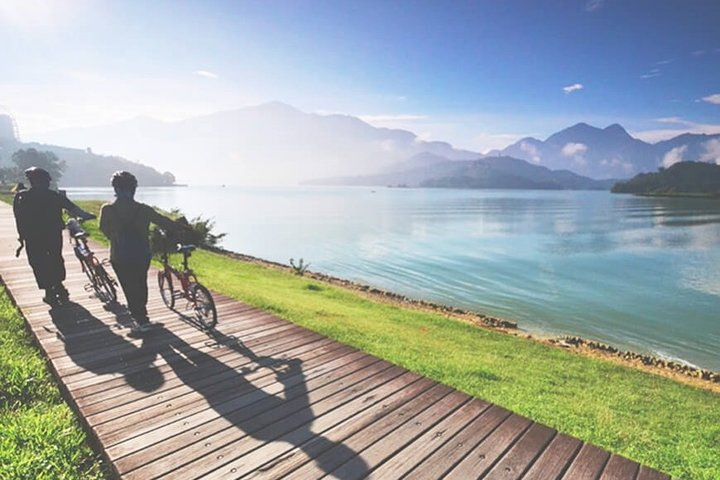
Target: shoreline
point(688, 374)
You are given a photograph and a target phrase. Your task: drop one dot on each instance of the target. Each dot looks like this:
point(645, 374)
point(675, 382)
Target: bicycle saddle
point(185, 248)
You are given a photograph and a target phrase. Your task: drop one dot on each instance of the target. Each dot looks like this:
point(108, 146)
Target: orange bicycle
point(197, 296)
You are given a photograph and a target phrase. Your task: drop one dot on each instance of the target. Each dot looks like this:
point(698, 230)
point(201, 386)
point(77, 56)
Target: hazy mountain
point(270, 143)
point(489, 172)
point(611, 152)
point(275, 143)
point(84, 168)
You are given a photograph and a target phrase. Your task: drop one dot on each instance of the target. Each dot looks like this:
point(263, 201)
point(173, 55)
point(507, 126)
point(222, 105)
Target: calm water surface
point(640, 273)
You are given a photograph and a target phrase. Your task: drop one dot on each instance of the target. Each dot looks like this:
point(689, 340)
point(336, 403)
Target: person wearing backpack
point(126, 223)
point(38, 218)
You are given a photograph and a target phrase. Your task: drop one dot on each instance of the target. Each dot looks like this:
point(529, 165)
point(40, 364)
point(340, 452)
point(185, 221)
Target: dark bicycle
point(101, 282)
point(197, 296)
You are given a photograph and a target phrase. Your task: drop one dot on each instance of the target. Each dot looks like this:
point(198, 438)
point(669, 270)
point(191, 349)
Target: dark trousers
point(133, 280)
point(45, 257)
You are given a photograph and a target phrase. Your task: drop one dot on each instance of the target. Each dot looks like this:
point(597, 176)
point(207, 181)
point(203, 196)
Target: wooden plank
point(404, 461)
point(214, 383)
point(588, 464)
point(447, 456)
point(274, 423)
point(619, 468)
point(647, 473)
point(484, 456)
point(237, 410)
point(334, 455)
point(555, 459)
point(98, 392)
point(517, 460)
point(283, 465)
point(400, 437)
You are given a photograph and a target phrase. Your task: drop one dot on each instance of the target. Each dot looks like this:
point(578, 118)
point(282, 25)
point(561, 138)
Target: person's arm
point(74, 210)
point(164, 222)
point(19, 217)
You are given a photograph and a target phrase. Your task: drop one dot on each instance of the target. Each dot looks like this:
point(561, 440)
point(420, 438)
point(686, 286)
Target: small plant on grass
point(300, 268)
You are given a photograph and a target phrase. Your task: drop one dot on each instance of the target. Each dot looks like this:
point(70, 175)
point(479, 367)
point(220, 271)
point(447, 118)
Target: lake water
point(639, 273)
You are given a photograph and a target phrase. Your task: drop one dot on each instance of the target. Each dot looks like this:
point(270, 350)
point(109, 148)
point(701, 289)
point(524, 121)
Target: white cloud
point(712, 152)
point(205, 73)
point(574, 149)
point(674, 156)
point(531, 150)
point(593, 5)
point(573, 88)
point(714, 99)
point(382, 119)
point(698, 53)
point(675, 126)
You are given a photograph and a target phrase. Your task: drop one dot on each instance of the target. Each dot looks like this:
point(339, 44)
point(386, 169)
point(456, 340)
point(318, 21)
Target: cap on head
point(37, 176)
point(123, 181)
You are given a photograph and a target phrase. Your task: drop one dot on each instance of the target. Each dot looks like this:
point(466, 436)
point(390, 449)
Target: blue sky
point(478, 74)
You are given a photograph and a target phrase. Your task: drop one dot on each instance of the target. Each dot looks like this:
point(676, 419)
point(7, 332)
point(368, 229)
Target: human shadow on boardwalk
point(280, 411)
point(93, 345)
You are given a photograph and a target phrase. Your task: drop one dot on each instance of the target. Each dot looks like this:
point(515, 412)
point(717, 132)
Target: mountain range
point(83, 168)
point(275, 143)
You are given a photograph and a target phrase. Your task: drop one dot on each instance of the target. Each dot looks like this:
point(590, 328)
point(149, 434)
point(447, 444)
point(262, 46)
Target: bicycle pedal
point(88, 287)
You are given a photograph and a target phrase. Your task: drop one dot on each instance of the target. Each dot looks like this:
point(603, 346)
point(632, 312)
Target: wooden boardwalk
point(263, 398)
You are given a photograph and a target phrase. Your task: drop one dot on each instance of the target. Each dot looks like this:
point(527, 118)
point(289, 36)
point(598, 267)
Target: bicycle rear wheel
point(166, 289)
point(104, 285)
point(204, 306)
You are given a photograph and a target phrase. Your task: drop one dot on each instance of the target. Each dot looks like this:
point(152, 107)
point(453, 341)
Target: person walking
point(38, 218)
point(126, 223)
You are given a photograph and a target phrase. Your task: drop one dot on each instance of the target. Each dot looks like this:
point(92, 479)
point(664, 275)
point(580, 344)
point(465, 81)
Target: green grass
point(40, 437)
point(653, 420)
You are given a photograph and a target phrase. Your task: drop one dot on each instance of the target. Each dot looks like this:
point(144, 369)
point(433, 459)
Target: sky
point(479, 74)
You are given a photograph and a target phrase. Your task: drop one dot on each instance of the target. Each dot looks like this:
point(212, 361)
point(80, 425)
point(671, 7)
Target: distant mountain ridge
point(610, 152)
point(275, 143)
point(264, 144)
point(683, 178)
point(84, 168)
point(487, 172)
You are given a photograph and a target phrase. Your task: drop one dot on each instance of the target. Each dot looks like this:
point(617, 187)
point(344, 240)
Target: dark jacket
point(38, 212)
point(126, 213)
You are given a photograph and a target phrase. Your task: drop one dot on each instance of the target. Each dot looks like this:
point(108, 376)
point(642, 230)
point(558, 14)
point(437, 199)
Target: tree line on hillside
point(26, 158)
point(694, 178)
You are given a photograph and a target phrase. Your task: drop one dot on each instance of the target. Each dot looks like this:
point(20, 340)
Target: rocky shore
point(679, 371)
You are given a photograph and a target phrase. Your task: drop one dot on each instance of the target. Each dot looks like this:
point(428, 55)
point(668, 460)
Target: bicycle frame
point(186, 277)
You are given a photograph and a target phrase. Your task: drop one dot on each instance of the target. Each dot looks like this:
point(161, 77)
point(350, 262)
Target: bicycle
point(101, 282)
point(196, 294)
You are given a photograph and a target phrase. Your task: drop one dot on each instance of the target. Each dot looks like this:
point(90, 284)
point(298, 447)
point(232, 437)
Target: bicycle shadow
point(92, 345)
point(286, 416)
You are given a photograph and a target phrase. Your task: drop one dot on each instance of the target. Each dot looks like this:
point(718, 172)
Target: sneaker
point(138, 329)
point(62, 293)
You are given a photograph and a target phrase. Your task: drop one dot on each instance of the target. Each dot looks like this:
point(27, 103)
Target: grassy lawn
point(40, 436)
point(653, 420)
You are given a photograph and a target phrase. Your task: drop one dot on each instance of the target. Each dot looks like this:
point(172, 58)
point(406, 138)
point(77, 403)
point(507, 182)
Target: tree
point(168, 178)
point(24, 159)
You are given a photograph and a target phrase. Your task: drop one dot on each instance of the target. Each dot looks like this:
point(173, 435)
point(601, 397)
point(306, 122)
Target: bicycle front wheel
point(204, 306)
point(104, 285)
